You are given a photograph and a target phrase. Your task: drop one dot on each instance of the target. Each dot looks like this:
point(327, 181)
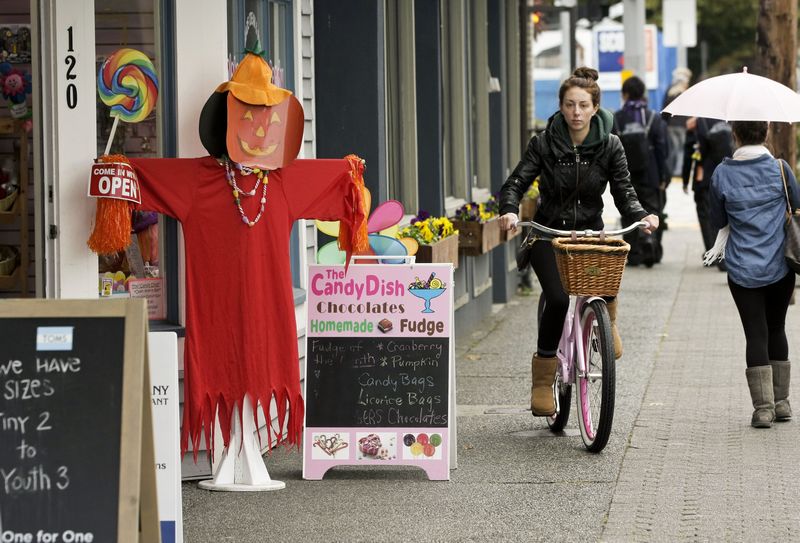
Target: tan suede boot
point(781, 370)
point(759, 380)
point(543, 370)
point(612, 315)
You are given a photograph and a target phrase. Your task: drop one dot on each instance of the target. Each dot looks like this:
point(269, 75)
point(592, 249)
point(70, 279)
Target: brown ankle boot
point(612, 315)
point(543, 370)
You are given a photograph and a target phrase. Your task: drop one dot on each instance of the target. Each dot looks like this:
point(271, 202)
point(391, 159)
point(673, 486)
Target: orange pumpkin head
point(265, 136)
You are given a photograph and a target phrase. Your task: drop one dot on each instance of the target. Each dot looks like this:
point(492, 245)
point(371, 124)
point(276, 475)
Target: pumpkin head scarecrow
point(252, 121)
point(237, 207)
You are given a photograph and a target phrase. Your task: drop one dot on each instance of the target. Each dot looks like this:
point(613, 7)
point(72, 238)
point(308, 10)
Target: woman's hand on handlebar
point(508, 221)
point(652, 224)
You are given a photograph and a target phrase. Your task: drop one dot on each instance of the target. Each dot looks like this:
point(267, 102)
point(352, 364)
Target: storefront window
point(273, 22)
point(138, 271)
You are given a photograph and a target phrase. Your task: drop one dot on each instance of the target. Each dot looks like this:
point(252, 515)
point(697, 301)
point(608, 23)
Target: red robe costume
point(241, 335)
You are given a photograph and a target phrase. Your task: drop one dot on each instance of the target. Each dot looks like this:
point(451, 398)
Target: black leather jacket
point(561, 168)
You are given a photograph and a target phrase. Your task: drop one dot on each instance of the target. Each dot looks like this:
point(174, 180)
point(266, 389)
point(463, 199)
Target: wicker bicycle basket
point(590, 266)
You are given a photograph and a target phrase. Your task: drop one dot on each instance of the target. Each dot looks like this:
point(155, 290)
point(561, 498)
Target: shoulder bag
point(791, 245)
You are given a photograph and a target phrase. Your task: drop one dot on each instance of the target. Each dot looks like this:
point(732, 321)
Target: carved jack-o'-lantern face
point(265, 136)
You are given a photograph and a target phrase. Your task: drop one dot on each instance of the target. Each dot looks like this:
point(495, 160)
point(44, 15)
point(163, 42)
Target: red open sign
point(114, 180)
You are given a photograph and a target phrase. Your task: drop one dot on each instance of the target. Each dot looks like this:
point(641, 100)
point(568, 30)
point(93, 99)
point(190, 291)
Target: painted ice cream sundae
point(427, 290)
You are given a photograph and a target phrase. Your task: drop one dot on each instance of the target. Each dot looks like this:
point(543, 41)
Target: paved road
point(682, 464)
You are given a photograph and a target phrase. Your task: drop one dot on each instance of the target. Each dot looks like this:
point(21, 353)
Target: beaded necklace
point(262, 178)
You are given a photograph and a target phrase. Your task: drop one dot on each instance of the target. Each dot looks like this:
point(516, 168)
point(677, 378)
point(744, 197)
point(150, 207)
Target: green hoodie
point(600, 128)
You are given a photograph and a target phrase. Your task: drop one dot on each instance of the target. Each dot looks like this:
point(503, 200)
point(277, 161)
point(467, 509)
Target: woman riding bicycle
point(574, 159)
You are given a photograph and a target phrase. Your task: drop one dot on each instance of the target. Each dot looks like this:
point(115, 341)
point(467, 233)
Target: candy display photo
point(422, 446)
point(330, 446)
point(377, 446)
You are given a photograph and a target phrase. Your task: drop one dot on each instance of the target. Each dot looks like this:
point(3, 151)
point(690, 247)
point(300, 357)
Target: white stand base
point(233, 487)
point(244, 471)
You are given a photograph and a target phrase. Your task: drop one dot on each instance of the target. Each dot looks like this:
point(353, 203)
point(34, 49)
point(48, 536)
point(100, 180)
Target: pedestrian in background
point(643, 134)
point(714, 143)
point(575, 158)
point(747, 194)
point(676, 125)
point(691, 157)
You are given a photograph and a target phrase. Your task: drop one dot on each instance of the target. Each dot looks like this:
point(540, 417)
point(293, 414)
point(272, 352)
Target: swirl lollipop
point(127, 82)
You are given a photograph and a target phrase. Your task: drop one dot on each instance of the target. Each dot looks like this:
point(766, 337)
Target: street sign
point(680, 23)
point(609, 50)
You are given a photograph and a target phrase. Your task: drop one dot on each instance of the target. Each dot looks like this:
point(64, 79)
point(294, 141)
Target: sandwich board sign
point(76, 441)
point(379, 375)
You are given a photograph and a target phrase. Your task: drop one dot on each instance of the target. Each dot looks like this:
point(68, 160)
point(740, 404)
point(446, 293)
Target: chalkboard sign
point(395, 382)
point(72, 420)
point(379, 367)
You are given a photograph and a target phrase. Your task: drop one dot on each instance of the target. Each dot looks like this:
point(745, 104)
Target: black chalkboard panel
point(377, 382)
point(60, 428)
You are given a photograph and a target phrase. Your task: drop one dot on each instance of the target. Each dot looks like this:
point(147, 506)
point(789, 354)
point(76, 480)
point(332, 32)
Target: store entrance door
point(18, 277)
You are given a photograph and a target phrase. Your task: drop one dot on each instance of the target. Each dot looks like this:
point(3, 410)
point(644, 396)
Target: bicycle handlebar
point(580, 233)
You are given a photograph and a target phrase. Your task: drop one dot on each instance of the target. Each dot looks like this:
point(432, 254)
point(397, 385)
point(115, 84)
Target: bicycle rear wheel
point(557, 421)
point(596, 387)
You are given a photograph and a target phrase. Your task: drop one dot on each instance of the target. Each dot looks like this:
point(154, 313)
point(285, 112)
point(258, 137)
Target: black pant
point(763, 314)
point(543, 261)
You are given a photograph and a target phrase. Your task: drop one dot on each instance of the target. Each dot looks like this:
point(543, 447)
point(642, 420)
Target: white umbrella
point(738, 97)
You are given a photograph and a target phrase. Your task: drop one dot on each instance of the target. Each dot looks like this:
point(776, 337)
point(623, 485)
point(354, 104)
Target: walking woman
point(748, 195)
point(575, 158)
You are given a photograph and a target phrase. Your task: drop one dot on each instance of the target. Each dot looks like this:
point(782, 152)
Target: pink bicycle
point(586, 349)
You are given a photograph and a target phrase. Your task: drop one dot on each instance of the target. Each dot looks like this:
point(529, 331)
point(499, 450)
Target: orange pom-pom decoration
point(112, 222)
point(353, 237)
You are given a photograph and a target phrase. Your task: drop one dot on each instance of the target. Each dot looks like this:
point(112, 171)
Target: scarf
point(637, 108)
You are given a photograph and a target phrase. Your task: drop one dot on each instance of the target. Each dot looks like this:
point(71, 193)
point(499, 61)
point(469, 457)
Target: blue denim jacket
point(748, 195)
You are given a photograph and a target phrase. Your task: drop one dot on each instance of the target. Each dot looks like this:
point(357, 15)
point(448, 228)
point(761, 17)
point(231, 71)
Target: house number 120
point(72, 90)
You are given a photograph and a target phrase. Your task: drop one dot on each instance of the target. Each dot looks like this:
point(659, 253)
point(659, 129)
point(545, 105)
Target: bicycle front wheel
point(596, 384)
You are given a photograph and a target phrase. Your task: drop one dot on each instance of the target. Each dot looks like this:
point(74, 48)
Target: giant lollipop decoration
point(127, 83)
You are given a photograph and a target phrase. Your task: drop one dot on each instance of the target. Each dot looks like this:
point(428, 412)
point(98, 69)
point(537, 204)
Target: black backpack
point(635, 138)
point(719, 141)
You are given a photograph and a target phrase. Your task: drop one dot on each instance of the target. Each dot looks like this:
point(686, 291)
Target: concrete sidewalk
point(694, 469)
point(682, 462)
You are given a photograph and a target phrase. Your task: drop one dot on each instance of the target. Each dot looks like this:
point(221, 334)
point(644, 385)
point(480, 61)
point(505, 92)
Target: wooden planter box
point(527, 209)
point(443, 251)
point(476, 238)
